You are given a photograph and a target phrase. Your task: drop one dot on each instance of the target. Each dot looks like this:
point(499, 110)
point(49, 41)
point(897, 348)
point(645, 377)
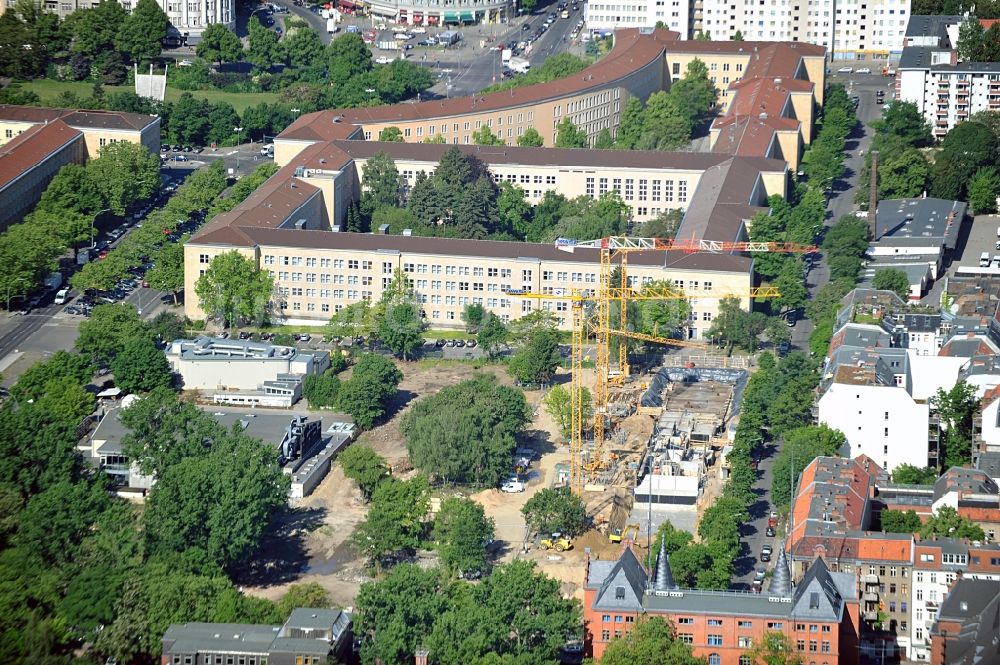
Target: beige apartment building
point(99, 128)
point(287, 227)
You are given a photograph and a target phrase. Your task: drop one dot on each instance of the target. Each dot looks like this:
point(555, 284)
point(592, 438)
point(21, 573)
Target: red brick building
point(820, 615)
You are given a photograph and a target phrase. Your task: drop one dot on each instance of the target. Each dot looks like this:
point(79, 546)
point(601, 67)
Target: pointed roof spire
point(664, 580)
point(781, 582)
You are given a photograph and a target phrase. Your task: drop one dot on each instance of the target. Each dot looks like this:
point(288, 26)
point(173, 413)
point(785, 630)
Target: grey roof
point(960, 479)
point(817, 595)
point(664, 580)
point(917, 57)
point(967, 68)
point(313, 618)
point(921, 25)
point(781, 582)
point(989, 462)
point(300, 645)
point(623, 588)
point(732, 603)
point(919, 220)
point(975, 606)
point(208, 348)
point(920, 322)
point(727, 194)
point(192, 638)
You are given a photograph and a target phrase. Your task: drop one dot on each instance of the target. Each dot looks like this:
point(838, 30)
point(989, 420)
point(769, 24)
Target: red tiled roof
point(32, 146)
point(77, 118)
point(749, 135)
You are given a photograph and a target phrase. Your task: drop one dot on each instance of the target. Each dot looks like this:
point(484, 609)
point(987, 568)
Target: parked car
point(770, 533)
point(471, 343)
point(180, 158)
point(222, 334)
point(845, 70)
point(439, 343)
point(303, 337)
point(765, 553)
point(864, 70)
point(512, 486)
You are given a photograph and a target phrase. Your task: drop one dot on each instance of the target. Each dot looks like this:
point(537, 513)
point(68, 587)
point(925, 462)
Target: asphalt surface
point(841, 202)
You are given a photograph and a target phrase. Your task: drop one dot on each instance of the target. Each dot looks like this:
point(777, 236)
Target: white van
point(62, 295)
point(984, 260)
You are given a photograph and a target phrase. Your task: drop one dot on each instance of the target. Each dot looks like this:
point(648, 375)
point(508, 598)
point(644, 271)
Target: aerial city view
point(499, 332)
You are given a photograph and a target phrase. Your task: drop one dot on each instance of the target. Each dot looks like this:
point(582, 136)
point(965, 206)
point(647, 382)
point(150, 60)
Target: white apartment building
point(186, 16)
point(849, 29)
point(604, 16)
point(936, 565)
point(946, 92)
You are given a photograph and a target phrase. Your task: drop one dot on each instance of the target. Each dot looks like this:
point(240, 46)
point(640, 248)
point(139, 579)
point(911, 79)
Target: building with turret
point(819, 615)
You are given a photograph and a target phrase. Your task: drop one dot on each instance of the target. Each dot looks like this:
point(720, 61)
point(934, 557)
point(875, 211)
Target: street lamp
point(239, 131)
point(19, 279)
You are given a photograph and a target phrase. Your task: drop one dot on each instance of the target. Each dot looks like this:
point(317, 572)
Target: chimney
point(335, 228)
point(873, 196)
point(420, 658)
point(383, 230)
point(407, 232)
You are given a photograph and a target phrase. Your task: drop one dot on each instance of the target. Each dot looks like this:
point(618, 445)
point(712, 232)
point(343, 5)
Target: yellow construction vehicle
point(557, 542)
point(618, 535)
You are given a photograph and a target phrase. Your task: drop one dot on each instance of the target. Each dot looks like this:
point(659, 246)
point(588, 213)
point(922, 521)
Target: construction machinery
point(618, 248)
point(557, 542)
point(618, 535)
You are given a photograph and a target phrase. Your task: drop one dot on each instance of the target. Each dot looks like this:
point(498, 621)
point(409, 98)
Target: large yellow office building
point(291, 225)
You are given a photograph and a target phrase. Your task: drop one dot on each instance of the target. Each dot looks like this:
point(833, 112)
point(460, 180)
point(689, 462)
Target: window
point(715, 622)
point(685, 620)
point(714, 640)
point(714, 659)
point(203, 258)
point(745, 624)
point(745, 642)
point(686, 638)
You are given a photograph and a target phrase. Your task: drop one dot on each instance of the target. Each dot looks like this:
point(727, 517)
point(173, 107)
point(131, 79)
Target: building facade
point(28, 163)
point(968, 624)
point(99, 128)
point(605, 16)
point(819, 615)
point(186, 16)
point(437, 12)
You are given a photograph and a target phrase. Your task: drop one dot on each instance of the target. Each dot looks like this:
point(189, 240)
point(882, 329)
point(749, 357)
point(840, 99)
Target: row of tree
point(66, 213)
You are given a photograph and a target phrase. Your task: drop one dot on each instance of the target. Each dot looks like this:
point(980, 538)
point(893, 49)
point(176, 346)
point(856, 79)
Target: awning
point(451, 16)
point(110, 392)
point(468, 17)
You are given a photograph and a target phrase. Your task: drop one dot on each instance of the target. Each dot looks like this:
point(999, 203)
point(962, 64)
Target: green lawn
point(48, 90)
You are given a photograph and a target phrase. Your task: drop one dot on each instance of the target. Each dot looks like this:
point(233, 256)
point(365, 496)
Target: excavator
point(618, 535)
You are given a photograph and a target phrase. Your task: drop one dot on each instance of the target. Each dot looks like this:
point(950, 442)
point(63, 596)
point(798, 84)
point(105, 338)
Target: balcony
point(869, 579)
point(870, 596)
point(871, 615)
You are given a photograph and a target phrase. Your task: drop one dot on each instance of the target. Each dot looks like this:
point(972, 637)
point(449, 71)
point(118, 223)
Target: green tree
point(514, 211)
point(380, 182)
point(395, 519)
point(466, 433)
point(365, 396)
point(775, 648)
point(892, 279)
point(604, 140)
point(899, 521)
point(219, 44)
point(492, 335)
point(141, 366)
point(558, 404)
point(907, 474)
point(666, 123)
point(234, 289)
point(365, 467)
point(956, 407)
point(904, 119)
point(357, 319)
point(663, 317)
point(167, 273)
point(530, 139)
point(305, 594)
point(473, 315)
point(347, 56)
point(303, 47)
point(124, 173)
point(264, 48)
point(537, 359)
point(568, 135)
point(94, 30)
point(653, 641)
point(555, 510)
point(401, 327)
point(663, 225)
point(983, 190)
point(737, 327)
point(695, 92)
point(947, 522)
point(391, 134)
point(142, 31)
point(462, 533)
point(31, 385)
point(485, 136)
point(54, 522)
point(108, 330)
point(630, 126)
point(321, 390)
point(396, 613)
point(220, 501)
point(844, 244)
point(903, 176)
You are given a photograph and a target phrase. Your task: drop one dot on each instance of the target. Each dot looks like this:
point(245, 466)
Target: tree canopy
point(235, 290)
point(555, 510)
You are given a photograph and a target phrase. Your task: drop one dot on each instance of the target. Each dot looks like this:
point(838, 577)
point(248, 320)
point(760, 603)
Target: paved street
point(841, 203)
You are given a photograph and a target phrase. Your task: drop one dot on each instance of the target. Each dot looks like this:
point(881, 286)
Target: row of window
point(651, 190)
